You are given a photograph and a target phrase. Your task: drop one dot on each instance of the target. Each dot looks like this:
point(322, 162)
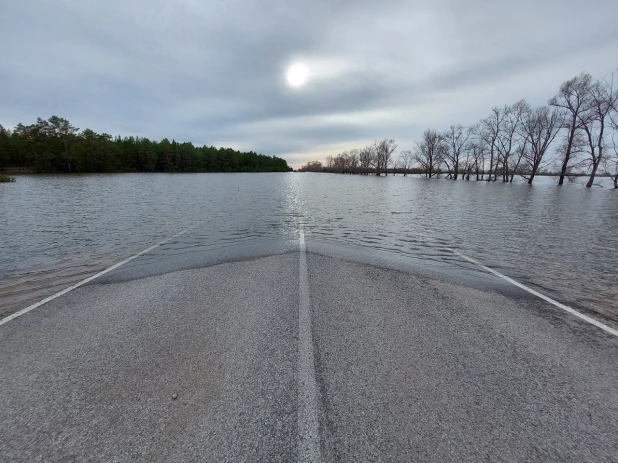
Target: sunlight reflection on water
point(562, 239)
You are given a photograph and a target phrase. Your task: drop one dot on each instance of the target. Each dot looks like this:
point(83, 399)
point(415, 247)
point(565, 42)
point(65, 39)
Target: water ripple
point(563, 240)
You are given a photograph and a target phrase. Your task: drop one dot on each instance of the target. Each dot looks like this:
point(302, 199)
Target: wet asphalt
point(197, 361)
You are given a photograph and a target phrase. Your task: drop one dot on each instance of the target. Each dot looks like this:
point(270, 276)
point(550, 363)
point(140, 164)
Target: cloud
point(214, 72)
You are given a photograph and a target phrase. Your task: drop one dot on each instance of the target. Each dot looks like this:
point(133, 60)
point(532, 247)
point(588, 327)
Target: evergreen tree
point(55, 145)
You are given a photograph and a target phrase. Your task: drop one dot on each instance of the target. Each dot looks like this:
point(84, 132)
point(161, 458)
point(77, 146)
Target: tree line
point(55, 146)
point(577, 128)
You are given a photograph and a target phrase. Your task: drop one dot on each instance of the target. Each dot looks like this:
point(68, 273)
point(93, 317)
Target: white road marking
point(308, 423)
point(83, 282)
point(555, 303)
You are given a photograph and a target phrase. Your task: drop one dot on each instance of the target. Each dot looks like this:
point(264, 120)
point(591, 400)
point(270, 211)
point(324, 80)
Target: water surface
point(57, 229)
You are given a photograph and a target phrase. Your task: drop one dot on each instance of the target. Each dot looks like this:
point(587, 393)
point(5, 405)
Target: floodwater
point(56, 230)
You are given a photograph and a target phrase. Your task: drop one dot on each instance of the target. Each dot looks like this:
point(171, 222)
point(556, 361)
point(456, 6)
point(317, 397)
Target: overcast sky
point(214, 72)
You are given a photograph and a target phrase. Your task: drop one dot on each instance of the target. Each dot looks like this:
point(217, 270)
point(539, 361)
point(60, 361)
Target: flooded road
point(56, 230)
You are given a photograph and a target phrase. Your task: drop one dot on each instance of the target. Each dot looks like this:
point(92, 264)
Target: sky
point(214, 72)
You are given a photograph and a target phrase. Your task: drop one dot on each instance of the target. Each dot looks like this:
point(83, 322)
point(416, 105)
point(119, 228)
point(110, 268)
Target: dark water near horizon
point(59, 229)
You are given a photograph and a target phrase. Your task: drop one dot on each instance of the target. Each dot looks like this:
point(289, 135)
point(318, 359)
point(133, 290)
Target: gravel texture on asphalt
point(200, 365)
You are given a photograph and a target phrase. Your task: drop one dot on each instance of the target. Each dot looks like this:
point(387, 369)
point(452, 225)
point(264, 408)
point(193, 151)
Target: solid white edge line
point(555, 303)
point(83, 282)
point(309, 450)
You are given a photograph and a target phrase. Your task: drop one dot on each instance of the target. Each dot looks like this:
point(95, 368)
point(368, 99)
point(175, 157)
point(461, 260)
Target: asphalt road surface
point(287, 354)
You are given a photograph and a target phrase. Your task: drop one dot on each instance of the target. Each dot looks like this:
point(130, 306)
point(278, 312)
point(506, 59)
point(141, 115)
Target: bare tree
point(509, 140)
point(456, 140)
point(353, 160)
point(429, 152)
point(383, 151)
point(489, 131)
point(601, 102)
point(365, 159)
point(611, 164)
point(573, 99)
point(312, 166)
point(344, 161)
point(341, 162)
point(521, 153)
point(472, 160)
point(476, 153)
point(540, 127)
point(406, 158)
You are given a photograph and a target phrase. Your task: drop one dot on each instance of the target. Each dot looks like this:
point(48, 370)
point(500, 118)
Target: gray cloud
point(213, 72)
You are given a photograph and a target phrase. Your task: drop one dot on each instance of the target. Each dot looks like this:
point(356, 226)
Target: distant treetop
point(55, 145)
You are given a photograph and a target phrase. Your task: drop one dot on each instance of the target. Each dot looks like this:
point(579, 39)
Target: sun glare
point(297, 75)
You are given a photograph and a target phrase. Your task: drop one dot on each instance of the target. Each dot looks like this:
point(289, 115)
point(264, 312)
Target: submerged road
point(304, 354)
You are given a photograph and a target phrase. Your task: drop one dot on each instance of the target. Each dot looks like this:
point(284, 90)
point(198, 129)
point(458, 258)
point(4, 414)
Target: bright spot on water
point(297, 75)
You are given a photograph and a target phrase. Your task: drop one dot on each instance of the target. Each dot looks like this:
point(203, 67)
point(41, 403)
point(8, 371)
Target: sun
point(297, 75)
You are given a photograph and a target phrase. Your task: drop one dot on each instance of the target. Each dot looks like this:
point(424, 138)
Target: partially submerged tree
point(513, 140)
point(474, 160)
point(383, 151)
point(521, 153)
point(406, 158)
point(611, 164)
point(456, 142)
point(540, 127)
point(489, 131)
point(509, 141)
point(365, 159)
point(429, 152)
point(353, 160)
point(312, 166)
point(602, 99)
point(573, 99)
point(341, 163)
